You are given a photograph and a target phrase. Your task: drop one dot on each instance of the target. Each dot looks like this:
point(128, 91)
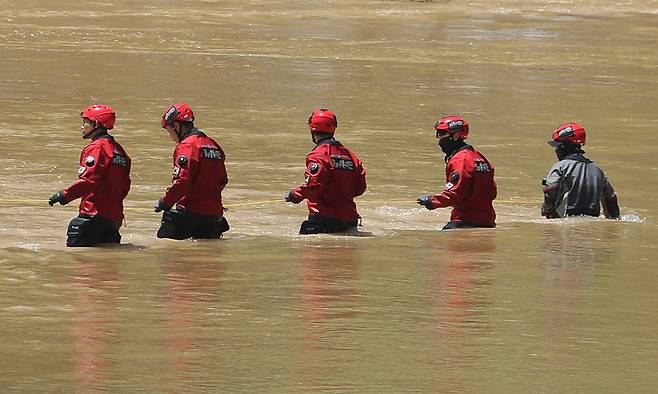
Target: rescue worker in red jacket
point(104, 181)
point(334, 176)
point(575, 185)
point(199, 176)
point(470, 187)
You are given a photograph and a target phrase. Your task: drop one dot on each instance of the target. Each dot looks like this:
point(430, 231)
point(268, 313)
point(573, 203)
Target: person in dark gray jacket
point(576, 186)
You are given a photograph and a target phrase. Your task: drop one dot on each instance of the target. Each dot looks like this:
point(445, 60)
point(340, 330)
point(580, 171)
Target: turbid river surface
point(532, 306)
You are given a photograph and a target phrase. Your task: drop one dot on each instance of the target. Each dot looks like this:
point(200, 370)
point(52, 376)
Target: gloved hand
point(57, 198)
point(160, 206)
point(291, 197)
point(546, 210)
point(425, 201)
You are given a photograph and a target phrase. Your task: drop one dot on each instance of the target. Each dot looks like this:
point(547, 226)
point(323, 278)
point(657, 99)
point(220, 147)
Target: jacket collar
point(193, 131)
point(578, 157)
point(103, 135)
point(454, 152)
point(325, 141)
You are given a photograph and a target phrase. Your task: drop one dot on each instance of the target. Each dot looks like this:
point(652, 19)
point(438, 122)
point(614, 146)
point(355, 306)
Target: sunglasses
point(441, 133)
point(453, 125)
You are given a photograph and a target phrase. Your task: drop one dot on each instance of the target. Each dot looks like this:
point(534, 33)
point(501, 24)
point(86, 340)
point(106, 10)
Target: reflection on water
point(461, 293)
point(94, 332)
point(190, 287)
point(574, 251)
point(327, 293)
point(461, 282)
point(332, 307)
point(565, 304)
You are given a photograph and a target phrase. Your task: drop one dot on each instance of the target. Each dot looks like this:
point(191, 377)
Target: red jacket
point(334, 176)
point(470, 188)
point(199, 175)
point(104, 179)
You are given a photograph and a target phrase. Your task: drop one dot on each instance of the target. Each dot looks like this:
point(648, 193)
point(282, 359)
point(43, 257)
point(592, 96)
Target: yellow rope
point(142, 205)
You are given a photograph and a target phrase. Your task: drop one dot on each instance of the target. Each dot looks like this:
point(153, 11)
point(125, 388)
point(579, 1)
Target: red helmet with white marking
point(101, 114)
point(452, 125)
point(178, 112)
point(569, 132)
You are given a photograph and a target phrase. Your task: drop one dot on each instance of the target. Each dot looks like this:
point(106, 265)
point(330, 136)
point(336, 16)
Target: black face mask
point(560, 153)
point(448, 145)
point(565, 149)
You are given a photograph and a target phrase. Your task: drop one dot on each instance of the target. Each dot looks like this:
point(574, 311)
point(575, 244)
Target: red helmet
point(322, 120)
point(569, 132)
point(454, 125)
point(102, 114)
point(178, 112)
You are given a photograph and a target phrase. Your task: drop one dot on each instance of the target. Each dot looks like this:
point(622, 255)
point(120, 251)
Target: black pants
point(456, 225)
point(86, 230)
point(317, 224)
point(179, 224)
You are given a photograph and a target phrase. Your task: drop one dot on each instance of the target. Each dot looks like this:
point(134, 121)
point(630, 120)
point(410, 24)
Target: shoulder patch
point(314, 168)
point(182, 161)
point(89, 161)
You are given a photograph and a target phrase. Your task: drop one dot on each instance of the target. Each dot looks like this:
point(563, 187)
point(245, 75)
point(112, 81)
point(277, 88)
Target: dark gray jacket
point(576, 186)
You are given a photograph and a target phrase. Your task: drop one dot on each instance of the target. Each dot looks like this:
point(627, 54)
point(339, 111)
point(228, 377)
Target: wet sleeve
point(609, 201)
point(316, 179)
point(184, 170)
point(93, 166)
point(126, 188)
point(360, 181)
point(223, 177)
point(459, 184)
point(494, 189)
point(551, 188)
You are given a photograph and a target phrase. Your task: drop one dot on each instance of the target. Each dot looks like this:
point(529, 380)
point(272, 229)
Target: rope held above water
point(147, 205)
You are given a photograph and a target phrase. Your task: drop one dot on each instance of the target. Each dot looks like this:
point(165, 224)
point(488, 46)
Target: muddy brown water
point(532, 306)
